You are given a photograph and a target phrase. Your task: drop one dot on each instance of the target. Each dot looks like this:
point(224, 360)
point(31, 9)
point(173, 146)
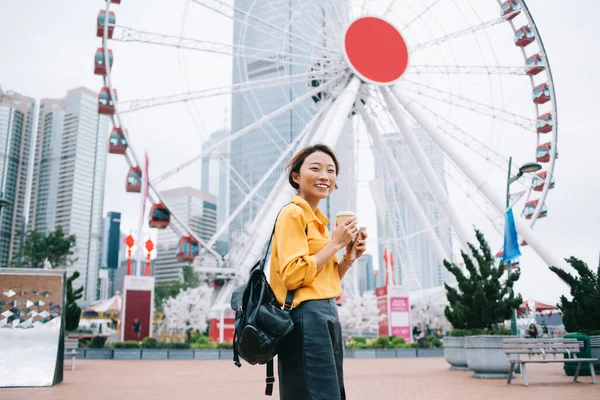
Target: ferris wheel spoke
point(256, 124)
point(134, 105)
point(295, 15)
point(230, 11)
point(477, 178)
point(466, 69)
point(456, 34)
point(254, 191)
point(419, 16)
point(127, 34)
point(468, 104)
point(431, 177)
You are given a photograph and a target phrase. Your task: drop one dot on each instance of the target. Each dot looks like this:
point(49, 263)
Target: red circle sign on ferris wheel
point(375, 50)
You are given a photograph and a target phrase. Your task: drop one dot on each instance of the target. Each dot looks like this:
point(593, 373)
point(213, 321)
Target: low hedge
point(383, 342)
point(474, 332)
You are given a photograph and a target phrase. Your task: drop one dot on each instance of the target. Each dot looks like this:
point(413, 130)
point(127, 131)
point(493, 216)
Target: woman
point(304, 259)
point(533, 332)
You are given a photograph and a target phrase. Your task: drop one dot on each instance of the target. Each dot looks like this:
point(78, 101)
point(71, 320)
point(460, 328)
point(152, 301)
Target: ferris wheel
point(471, 76)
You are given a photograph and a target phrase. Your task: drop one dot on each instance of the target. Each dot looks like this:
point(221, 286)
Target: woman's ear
point(296, 177)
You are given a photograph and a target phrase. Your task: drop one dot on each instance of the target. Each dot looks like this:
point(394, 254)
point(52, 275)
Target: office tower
point(197, 210)
point(216, 180)
point(403, 239)
point(307, 22)
point(16, 129)
point(68, 178)
point(111, 246)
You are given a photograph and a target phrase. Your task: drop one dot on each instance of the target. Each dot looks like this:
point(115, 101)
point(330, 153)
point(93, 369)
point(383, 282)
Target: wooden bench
point(515, 348)
point(71, 346)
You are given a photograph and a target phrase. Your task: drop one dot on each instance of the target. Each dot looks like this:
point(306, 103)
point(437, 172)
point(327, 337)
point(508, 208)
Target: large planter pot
point(595, 346)
point(455, 353)
point(99, 354)
point(485, 356)
point(406, 353)
point(127, 354)
point(385, 353)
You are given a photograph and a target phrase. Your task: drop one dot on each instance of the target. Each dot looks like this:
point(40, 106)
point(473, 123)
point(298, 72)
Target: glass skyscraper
point(416, 249)
point(300, 24)
point(196, 209)
point(16, 129)
point(68, 178)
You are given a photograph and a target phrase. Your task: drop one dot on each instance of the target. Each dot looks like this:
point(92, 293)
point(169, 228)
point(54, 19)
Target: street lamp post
point(525, 168)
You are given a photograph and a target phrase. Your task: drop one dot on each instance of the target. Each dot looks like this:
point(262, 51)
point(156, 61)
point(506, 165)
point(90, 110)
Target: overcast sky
point(48, 47)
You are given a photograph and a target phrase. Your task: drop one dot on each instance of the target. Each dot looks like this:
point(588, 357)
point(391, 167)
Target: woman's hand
point(344, 234)
point(359, 246)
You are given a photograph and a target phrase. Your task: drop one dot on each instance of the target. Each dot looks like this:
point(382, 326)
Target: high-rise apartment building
point(16, 129)
point(196, 209)
point(216, 180)
point(409, 246)
point(68, 177)
point(296, 26)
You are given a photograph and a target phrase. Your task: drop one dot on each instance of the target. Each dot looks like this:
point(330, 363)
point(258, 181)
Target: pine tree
point(482, 299)
point(582, 313)
point(72, 310)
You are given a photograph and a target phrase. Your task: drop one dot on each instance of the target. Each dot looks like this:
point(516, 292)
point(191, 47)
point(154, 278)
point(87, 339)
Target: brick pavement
point(380, 379)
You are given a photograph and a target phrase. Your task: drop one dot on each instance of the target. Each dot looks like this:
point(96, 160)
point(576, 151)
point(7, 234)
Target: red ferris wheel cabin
point(117, 143)
point(539, 181)
point(524, 36)
point(99, 64)
point(134, 180)
point(100, 23)
point(534, 64)
point(543, 152)
point(530, 208)
point(160, 217)
point(544, 123)
point(106, 105)
point(510, 9)
point(188, 249)
point(541, 94)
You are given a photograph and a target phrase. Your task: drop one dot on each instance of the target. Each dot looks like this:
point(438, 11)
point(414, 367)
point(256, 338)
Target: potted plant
point(582, 313)
point(480, 302)
point(454, 349)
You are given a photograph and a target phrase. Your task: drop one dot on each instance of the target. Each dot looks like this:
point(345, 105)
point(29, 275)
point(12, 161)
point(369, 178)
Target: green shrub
point(225, 345)
point(130, 344)
point(459, 333)
point(177, 346)
point(151, 343)
point(397, 342)
point(97, 342)
point(382, 342)
point(199, 338)
point(201, 346)
point(359, 339)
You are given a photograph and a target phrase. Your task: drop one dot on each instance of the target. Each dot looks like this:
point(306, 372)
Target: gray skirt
point(310, 359)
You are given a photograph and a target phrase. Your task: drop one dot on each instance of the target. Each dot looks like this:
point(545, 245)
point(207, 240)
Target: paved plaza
point(418, 378)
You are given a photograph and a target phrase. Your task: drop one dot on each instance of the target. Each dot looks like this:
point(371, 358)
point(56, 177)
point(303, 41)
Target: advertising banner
point(394, 312)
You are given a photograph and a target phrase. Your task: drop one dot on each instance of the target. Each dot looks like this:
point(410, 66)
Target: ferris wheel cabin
point(111, 23)
point(544, 123)
point(99, 64)
point(117, 143)
point(530, 208)
point(105, 104)
point(160, 217)
point(115, 1)
point(524, 36)
point(539, 180)
point(134, 180)
point(510, 9)
point(543, 152)
point(188, 249)
point(534, 64)
point(541, 94)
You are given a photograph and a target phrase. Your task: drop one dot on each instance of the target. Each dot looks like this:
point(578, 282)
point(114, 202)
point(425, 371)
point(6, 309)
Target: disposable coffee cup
point(342, 216)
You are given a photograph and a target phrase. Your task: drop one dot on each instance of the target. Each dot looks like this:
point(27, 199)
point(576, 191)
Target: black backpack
point(260, 323)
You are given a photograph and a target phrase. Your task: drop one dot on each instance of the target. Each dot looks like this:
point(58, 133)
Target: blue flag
point(511, 242)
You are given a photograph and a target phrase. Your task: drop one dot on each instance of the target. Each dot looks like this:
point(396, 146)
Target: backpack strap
point(270, 379)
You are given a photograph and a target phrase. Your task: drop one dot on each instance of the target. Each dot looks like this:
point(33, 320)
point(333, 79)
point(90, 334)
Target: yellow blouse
point(293, 261)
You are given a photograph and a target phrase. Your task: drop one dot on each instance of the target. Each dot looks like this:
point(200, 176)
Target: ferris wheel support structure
point(429, 173)
point(480, 182)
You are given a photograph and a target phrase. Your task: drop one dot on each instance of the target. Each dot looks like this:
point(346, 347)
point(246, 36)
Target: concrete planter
point(365, 353)
point(154, 354)
point(455, 353)
point(385, 353)
point(406, 353)
point(485, 356)
point(206, 354)
point(127, 354)
point(226, 354)
point(181, 354)
point(430, 353)
point(595, 347)
point(98, 354)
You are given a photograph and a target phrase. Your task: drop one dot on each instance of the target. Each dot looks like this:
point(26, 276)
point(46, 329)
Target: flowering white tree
point(427, 312)
point(359, 314)
point(189, 309)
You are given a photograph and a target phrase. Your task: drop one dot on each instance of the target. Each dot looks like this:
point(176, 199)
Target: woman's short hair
point(296, 162)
